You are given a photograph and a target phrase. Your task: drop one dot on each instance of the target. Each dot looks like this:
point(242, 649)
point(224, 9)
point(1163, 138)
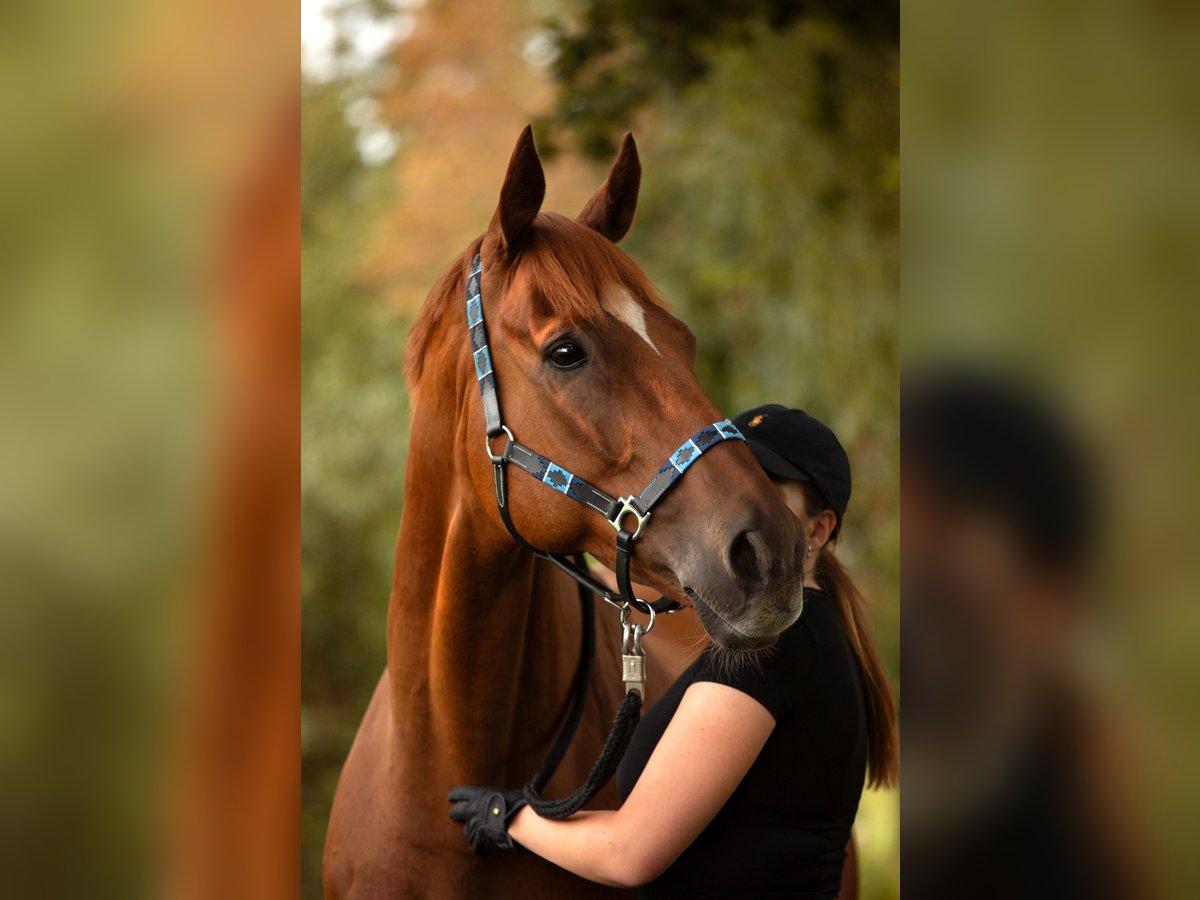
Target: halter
point(615, 510)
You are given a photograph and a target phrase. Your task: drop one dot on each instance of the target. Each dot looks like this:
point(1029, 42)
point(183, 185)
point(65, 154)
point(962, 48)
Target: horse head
point(596, 374)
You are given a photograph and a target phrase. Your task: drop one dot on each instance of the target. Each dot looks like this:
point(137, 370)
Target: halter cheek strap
point(616, 511)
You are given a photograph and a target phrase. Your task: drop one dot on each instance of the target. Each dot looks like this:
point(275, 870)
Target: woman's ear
point(820, 527)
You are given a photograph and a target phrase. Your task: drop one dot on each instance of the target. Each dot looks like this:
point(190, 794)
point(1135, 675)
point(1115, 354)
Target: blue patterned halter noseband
point(616, 511)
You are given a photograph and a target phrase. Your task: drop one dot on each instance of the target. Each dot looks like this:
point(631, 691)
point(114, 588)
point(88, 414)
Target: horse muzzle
point(748, 595)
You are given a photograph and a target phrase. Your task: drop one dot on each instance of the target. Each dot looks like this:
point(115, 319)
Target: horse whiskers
point(699, 644)
point(729, 663)
point(725, 661)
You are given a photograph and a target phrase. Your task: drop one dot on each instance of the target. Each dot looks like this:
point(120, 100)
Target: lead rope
point(624, 722)
point(583, 671)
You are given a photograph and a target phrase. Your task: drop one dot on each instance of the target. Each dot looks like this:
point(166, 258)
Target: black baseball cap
point(789, 443)
point(990, 442)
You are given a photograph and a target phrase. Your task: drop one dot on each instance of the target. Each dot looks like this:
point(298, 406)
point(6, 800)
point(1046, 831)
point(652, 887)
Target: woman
point(744, 779)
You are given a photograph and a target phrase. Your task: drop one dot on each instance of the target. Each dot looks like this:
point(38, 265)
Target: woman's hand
point(485, 814)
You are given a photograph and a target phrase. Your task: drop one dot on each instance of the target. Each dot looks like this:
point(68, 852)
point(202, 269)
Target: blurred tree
point(612, 58)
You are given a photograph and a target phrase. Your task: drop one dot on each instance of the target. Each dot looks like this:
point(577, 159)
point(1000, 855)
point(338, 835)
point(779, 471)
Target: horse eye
point(566, 355)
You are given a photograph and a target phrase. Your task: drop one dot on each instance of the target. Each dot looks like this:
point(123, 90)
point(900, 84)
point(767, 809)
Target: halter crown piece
point(616, 511)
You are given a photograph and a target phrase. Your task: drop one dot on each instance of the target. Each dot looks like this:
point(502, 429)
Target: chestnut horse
point(482, 636)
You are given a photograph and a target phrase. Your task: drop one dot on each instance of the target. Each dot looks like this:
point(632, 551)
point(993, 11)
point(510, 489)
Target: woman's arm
point(712, 740)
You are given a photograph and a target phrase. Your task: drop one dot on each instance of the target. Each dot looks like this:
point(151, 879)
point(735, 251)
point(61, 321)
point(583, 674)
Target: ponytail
point(883, 752)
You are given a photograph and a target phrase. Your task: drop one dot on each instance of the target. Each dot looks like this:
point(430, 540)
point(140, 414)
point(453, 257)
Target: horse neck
point(482, 638)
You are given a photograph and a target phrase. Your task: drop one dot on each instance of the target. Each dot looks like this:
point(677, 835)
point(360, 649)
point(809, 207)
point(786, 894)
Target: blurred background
point(769, 217)
point(1051, 220)
point(149, 517)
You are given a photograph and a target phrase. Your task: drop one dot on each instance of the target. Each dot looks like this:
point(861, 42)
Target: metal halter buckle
point(625, 508)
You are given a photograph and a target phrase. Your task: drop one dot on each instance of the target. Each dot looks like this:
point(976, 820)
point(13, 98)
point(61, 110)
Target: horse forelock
point(574, 273)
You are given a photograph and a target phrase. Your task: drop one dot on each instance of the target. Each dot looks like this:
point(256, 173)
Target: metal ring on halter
point(650, 607)
point(626, 608)
point(487, 443)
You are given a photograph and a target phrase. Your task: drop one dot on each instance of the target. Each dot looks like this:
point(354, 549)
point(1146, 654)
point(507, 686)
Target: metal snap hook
point(633, 659)
point(626, 608)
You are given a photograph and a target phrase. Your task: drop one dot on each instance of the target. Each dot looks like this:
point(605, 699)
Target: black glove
point(485, 814)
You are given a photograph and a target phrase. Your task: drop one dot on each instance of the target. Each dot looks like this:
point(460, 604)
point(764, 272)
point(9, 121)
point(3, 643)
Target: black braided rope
point(626, 719)
point(579, 691)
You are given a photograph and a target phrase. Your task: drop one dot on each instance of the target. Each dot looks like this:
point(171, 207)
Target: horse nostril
point(748, 559)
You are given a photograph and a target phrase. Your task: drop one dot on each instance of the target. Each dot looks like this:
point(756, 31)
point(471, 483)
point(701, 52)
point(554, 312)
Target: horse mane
point(568, 267)
point(448, 287)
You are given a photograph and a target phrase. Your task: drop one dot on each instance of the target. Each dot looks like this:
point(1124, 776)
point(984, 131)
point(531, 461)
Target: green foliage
point(613, 58)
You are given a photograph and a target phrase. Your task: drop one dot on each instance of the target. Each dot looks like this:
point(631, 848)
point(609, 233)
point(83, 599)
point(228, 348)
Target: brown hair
point(883, 743)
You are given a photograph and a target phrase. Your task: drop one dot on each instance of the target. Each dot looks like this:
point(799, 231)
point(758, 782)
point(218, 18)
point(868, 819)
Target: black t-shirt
point(783, 832)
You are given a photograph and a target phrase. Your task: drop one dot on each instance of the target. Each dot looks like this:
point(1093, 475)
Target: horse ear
point(610, 211)
point(522, 194)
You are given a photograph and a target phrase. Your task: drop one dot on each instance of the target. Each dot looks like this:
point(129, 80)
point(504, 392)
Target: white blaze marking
point(620, 304)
